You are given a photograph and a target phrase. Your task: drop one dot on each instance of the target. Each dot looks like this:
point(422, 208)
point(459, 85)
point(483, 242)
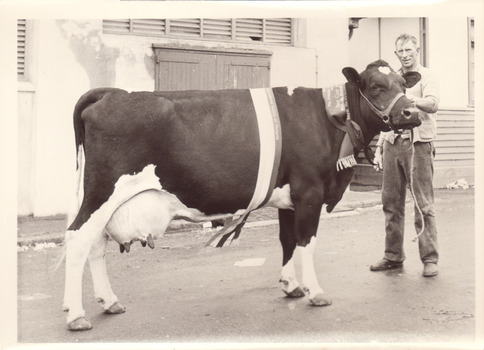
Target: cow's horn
point(151, 244)
point(127, 246)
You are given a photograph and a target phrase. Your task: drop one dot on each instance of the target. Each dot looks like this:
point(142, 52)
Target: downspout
point(379, 38)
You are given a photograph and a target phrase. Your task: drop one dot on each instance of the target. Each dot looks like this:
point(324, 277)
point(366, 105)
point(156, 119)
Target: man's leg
point(393, 200)
point(424, 193)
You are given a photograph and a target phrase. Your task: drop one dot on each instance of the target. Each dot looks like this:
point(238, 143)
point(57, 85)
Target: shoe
point(385, 264)
point(430, 269)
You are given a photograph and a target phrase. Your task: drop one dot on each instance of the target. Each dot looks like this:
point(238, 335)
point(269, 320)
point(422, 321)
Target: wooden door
point(203, 69)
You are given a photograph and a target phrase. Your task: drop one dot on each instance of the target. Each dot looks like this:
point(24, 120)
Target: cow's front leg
point(307, 212)
point(309, 279)
point(102, 288)
point(290, 284)
point(78, 245)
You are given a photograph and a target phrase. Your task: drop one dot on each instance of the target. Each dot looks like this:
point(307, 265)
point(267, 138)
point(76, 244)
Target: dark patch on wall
point(98, 60)
point(150, 64)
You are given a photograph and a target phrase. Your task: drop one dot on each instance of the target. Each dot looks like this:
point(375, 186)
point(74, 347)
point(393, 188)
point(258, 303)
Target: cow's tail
point(84, 102)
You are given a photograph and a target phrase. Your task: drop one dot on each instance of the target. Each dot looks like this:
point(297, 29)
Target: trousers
point(410, 167)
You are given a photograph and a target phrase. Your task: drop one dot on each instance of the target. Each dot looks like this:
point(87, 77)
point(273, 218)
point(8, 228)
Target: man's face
point(407, 53)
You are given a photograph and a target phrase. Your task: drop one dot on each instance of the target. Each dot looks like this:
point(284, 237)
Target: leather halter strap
point(384, 115)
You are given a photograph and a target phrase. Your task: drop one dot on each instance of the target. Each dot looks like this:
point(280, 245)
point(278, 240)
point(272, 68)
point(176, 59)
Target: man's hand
point(378, 159)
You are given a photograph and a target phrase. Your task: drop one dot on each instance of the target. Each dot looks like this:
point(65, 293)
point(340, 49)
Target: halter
point(384, 115)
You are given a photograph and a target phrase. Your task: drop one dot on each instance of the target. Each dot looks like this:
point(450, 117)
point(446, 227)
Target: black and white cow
point(146, 158)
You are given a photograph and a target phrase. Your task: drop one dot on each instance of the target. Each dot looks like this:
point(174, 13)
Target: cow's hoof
point(296, 293)
point(319, 300)
point(116, 308)
point(79, 324)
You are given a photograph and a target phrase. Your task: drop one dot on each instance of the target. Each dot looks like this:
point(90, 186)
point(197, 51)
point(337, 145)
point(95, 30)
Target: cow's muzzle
point(409, 118)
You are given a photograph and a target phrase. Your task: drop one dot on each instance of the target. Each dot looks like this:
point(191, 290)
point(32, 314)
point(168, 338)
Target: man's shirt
point(426, 87)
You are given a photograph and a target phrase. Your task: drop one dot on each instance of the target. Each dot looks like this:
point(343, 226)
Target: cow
point(146, 158)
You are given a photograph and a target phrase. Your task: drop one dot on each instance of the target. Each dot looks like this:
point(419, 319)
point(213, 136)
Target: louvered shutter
point(271, 31)
point(218, 28)
point(117, 26)
point(21, 47)
point(185, 27)
point(250, 29)
point(278, 31)
point(149, 26)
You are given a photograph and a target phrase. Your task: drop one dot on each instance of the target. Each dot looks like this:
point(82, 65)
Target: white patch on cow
point(288, 277)
point(309, 279)
point(385, 70)
point(150, 212)
point(125, 188)
point(281, 198)
point(80, 242)
point(78, 194)
point(290, 90)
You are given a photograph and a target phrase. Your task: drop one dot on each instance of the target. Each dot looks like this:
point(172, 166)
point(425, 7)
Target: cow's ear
point(352, 76)
point(411, 78)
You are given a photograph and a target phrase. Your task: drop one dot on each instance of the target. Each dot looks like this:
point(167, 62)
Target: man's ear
point(411, 78)
point(352, 76)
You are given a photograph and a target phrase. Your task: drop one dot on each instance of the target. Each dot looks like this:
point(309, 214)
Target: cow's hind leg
point(102, 289)
point(290, 284)
point(78, 245)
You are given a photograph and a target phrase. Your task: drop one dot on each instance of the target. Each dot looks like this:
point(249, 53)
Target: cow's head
point(383, 94)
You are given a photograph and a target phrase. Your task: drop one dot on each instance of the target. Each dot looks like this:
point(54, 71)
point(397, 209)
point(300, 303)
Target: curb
point(53, 239)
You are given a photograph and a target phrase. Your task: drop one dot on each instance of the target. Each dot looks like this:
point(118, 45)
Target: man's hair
point(406, 37)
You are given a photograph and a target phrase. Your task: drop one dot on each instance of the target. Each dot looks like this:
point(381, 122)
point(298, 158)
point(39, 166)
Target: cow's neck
point(355, 121)
point(359, 113)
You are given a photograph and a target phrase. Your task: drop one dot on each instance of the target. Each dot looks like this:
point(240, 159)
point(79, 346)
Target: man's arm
point(378, 160)
point(429, 102)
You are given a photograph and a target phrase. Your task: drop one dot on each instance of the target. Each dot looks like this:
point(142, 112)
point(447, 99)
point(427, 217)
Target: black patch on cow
point(411, 78)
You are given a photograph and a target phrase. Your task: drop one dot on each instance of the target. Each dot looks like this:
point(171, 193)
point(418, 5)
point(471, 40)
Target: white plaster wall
point(73, 56)
point(328, 37)
point(293, 67)
point(448, 58)
point(364, 46)
point(25, 122)
point(60, 80)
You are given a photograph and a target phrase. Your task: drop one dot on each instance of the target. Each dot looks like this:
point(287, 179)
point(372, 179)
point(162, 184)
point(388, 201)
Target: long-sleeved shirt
point(427, 87)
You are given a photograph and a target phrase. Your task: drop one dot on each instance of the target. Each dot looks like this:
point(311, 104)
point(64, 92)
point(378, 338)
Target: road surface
point(181, 292)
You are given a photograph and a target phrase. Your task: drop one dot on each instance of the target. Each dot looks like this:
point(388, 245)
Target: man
point(406, 159)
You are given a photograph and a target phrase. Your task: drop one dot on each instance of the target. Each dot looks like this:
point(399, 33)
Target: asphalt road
point(182, 292)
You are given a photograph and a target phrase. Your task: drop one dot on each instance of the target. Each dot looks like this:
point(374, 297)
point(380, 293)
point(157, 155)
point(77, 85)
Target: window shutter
point(149, 26)
point(217, 28)
point(278, 30)
point(21, 45)
point(272, 30)
point(116, 26)
point(250, 29)
point(185, 27)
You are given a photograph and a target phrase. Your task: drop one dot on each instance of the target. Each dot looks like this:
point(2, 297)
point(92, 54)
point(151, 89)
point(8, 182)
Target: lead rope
point(411, 188)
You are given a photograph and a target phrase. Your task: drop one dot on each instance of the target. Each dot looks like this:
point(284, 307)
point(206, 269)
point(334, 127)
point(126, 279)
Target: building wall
point(72, 56)
point(69, 57)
